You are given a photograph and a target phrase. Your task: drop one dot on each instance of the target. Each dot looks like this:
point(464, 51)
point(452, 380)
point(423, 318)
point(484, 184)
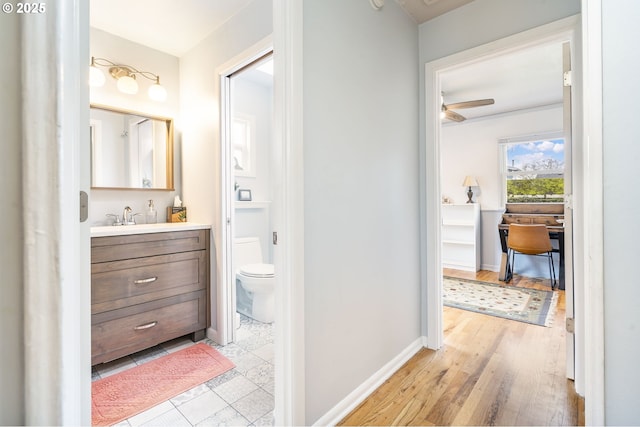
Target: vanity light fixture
point(126, 78)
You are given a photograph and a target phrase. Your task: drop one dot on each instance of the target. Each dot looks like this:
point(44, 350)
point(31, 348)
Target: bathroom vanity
point(149, 284)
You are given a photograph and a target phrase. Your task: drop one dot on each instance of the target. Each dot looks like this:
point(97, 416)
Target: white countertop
point(119, 230)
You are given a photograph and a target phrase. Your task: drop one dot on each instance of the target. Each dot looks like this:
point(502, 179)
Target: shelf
point(457, 266)
point(458, 242)
point(459, 223)
point(461, 236)
point(258, 204)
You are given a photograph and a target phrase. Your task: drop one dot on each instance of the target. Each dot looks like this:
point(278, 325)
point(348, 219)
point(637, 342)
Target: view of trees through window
point(535, 171)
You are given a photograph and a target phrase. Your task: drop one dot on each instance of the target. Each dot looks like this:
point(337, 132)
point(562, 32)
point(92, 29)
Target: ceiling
point(171, 26)
point(176, 26)
point(423, 10)
point(524, 79)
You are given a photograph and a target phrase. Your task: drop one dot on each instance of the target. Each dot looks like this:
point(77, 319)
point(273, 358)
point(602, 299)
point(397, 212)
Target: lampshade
point(157, 92)
point(96, 76)
point(469, 181)
point(127, 84)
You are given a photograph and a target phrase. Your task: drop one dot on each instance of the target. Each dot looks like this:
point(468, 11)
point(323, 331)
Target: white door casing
point(568, 206)
point(227, 293)
point(55, 153)
point(559, 31)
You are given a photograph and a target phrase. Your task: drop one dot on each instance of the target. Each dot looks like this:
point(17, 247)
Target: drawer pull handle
point(147, 326)
point(141, 281)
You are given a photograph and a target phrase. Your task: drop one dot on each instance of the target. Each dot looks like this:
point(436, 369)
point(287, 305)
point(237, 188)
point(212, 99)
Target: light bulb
point(157, 92)
point(127, 84)
point(96, 76)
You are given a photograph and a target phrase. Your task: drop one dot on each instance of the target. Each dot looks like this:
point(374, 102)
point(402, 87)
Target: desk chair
point(531, 239)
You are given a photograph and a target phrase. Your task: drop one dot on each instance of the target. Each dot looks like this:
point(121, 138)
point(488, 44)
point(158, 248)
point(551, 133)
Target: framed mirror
point(130, 150)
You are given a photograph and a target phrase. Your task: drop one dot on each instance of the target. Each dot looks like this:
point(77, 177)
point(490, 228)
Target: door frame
point(56, 243)
point(562, 30)
point(288, 212)
point(226, 329)
point(592, 328)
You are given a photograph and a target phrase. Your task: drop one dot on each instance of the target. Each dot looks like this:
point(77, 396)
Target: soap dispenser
point(151, 215)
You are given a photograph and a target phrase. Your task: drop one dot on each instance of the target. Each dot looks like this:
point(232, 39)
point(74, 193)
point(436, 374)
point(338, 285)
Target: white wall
point(362, 275)
point(621, 136)
point(471, 148)
point(11, 302)
point(256, 100)
point(122, 51)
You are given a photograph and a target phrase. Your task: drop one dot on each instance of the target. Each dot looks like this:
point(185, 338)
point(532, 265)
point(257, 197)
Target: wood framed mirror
point(130, 150)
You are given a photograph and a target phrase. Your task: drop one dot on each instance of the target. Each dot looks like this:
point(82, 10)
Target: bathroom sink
point(119, 230)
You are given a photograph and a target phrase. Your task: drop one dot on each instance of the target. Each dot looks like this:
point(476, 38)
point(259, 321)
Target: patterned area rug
point(525, 305)
point(123, 395)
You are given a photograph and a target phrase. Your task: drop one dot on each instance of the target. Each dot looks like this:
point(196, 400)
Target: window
point(533, 170)
point(242, 140)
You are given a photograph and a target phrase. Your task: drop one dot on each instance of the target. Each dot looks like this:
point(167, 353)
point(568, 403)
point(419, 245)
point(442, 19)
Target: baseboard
point(212, 334)
point(490, 267)
point(353, 399)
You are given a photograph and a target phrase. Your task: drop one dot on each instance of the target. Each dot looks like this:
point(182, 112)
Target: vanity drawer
point(114, 248)
point(121, 332)
point(118, 284)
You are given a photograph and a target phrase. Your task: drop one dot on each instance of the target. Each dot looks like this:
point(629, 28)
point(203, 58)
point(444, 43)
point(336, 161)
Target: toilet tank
point(246, 250)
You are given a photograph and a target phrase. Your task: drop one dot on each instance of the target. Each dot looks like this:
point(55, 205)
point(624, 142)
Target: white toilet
point(255, 281)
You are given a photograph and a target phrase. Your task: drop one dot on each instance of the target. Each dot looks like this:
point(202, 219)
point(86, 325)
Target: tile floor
point(242, 396)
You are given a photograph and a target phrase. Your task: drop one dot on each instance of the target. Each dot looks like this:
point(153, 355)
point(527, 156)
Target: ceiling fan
point(447, 109)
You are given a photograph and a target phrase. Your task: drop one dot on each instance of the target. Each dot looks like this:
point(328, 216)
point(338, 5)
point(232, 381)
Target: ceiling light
point(157, 92)
point(128, 85)
point(126, 78)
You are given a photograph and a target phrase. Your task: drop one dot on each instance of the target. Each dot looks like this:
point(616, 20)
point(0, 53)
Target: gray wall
point(362, 277)
point(621, 141)
point(11, 356)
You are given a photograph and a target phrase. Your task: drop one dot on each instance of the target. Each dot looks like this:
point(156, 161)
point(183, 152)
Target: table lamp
point(469, 181)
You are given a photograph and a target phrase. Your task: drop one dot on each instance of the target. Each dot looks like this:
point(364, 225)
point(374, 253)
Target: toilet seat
point(258, 270)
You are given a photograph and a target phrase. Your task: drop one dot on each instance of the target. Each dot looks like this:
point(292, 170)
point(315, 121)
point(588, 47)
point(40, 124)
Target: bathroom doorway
point(247, 129)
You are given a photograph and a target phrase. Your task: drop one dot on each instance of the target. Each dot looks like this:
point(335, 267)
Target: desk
point(555, 233)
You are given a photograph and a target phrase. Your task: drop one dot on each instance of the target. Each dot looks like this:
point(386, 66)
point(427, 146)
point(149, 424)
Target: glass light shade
point(96, 76)
point(127, 84)
point(157, 92)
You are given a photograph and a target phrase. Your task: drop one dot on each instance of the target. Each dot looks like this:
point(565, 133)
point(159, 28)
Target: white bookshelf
point(461, 236)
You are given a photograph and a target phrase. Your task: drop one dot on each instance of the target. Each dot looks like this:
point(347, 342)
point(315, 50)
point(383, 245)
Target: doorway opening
point(436, 72)
point(247, 144)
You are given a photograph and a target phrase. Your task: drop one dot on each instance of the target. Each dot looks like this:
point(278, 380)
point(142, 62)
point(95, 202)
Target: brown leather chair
point(531, 239)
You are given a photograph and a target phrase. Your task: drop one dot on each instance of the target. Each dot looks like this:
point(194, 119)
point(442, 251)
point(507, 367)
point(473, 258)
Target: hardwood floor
point(490, 371)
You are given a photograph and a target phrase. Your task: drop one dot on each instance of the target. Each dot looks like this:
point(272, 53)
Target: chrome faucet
point(116, 219)
point(126, 216)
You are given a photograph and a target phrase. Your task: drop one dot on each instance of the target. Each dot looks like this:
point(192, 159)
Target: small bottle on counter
point(151, 215)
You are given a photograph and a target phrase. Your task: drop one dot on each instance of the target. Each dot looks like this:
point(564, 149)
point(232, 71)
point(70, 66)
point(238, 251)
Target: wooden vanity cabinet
point(147, 289)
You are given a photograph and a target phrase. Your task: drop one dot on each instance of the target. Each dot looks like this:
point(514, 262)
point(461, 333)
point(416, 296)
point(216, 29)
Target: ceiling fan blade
point(452, 115)
point(470, 104)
